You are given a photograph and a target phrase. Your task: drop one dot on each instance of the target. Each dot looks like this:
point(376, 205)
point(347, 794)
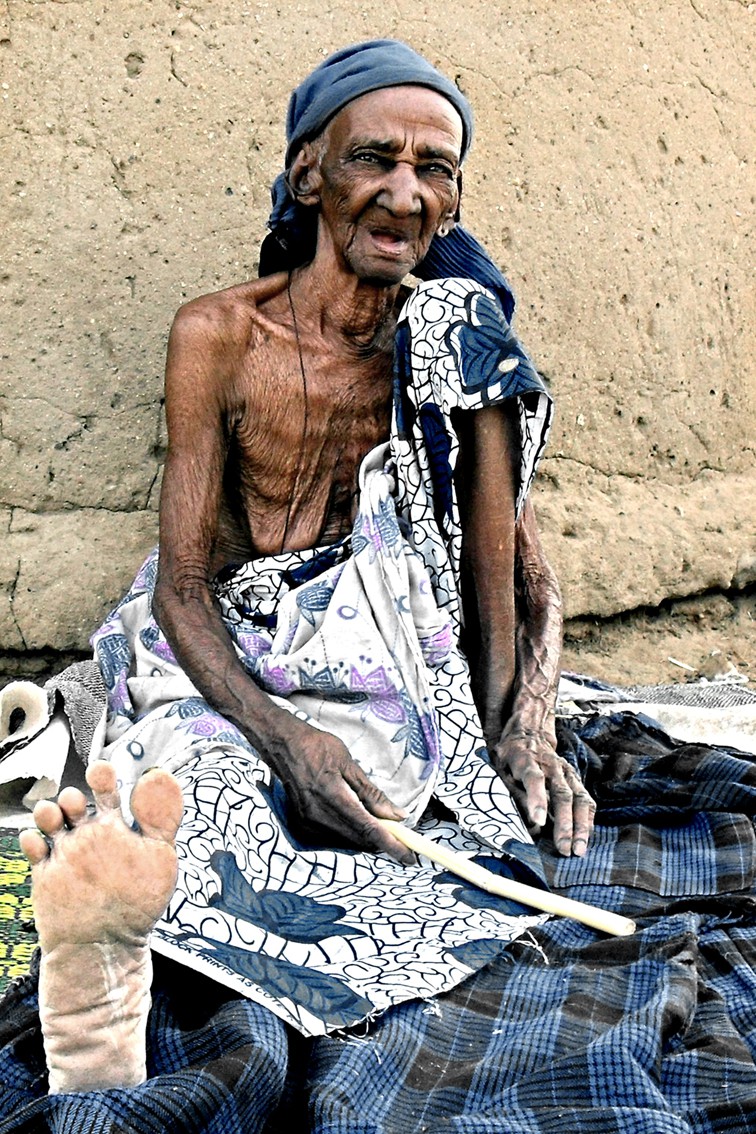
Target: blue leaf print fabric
point(290, 915)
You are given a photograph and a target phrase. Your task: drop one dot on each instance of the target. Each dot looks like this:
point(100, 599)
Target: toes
point(33, 846)
point(52, 820)
point(49, 818)
point(73, 804)
point(101, 777)
point(157, 806)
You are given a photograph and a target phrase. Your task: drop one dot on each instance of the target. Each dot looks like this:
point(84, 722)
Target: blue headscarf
point(343, 77)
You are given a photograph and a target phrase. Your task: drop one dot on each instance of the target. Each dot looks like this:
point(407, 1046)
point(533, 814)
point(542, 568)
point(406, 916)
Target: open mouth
point(390, 243)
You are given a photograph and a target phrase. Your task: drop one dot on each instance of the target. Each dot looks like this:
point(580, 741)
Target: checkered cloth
point(566, 1030)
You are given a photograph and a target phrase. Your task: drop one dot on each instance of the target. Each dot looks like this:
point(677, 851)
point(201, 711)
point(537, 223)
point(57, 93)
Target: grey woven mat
point(727, 692)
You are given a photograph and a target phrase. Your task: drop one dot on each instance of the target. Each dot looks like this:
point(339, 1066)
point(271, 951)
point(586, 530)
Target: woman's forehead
point(380, 114)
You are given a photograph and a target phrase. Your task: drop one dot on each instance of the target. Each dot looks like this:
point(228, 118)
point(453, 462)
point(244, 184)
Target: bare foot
point(97, 893)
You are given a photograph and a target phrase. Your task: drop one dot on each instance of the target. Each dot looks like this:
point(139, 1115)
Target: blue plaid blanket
point(564, 1030)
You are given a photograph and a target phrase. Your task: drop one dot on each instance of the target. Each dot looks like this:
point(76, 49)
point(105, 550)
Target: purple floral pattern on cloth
point(360, 640)
point(382, 692)
point(436, 646)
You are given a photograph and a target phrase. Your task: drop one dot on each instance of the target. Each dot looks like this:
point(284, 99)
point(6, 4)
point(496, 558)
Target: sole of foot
point(98, 887)
point(95, 878)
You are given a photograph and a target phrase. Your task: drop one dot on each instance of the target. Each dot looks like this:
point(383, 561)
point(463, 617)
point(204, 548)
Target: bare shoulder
point(223, 322)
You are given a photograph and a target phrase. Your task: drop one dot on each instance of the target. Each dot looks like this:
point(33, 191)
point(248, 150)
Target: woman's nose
point(401, 191)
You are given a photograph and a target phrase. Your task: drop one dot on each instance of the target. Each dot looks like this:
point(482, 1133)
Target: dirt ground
point(682, 641)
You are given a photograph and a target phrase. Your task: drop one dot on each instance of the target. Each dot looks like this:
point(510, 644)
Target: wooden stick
point(604, 920)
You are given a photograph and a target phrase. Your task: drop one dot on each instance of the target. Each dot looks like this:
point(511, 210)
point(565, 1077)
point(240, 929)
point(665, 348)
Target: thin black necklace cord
point(305, 415)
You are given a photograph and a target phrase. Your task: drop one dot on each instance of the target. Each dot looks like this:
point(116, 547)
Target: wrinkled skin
point(252, 470)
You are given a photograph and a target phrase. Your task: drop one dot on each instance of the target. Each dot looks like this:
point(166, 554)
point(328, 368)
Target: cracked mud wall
point(612, 177)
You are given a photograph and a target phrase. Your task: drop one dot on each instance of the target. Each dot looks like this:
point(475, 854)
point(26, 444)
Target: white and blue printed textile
point(361, 640)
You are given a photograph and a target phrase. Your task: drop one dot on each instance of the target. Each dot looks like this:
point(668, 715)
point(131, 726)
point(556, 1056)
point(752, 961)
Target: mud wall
point(612, 176)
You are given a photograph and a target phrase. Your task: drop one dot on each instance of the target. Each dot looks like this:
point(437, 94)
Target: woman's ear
point(457, 213)
point(450, 220)
point(303, 177)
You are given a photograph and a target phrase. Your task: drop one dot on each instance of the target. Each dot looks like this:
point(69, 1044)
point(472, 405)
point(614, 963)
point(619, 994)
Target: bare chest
point(296, 444)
